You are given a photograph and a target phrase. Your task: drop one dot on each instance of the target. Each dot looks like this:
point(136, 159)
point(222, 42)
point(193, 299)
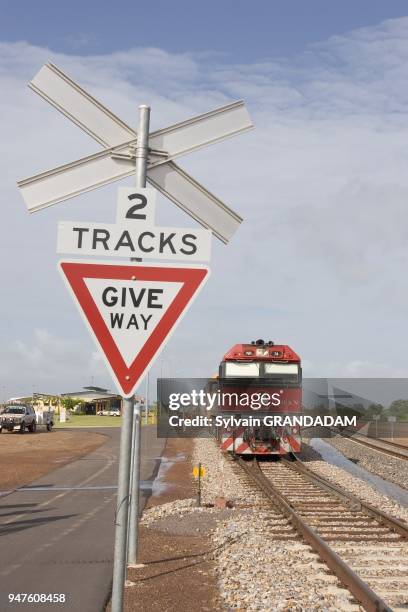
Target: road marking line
point(111, 461)
point(51, 488)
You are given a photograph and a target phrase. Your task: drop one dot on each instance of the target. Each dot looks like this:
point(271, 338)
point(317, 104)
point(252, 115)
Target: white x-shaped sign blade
point(116, 161)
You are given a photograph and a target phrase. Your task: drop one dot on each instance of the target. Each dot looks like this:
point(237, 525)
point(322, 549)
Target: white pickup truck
point(23, 418)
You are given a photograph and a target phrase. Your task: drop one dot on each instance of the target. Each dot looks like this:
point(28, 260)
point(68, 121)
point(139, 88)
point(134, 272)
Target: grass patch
point(90, 420)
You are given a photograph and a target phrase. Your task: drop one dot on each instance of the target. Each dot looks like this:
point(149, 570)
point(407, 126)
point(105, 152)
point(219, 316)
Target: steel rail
point(354, 502)
point(359, 589)
point(396, 444)
point(383, 446)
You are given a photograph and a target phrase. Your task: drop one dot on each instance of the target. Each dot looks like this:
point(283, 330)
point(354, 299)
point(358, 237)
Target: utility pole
point(142, 151)
point(125, 457)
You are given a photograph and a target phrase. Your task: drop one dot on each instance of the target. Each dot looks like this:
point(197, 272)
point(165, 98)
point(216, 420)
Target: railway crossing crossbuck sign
point(118, 157)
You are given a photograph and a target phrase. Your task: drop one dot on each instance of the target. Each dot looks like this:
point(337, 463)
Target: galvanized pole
point(133, 539)
point(199, 485)
point(125, 457)
point(147, 400)
point(142, 148)
point(142, 151)
point(132, 467)
point(122, 507)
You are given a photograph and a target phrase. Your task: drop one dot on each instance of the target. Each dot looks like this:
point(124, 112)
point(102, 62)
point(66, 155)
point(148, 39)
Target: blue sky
point(241, 30)
point(322, 183)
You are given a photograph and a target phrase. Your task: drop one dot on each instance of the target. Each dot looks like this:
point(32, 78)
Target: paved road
point(60, 540)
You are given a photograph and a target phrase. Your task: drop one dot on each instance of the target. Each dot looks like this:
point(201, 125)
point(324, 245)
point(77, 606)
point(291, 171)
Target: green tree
point(374, 409)
point(69, 403)
point(399, 408)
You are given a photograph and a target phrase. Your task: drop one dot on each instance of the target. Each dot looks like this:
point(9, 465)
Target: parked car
point(22, 418)
point(18, 416)
point(114, 412)
point(103, 412)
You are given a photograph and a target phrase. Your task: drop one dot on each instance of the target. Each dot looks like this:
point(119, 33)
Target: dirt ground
point(177, 576)
point(23, 458)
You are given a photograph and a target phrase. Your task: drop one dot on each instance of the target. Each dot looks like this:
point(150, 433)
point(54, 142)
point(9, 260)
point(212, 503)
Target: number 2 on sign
point(131, 213)
point(136, 204)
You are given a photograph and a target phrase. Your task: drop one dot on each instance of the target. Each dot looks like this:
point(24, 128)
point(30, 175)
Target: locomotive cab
point(269, 377)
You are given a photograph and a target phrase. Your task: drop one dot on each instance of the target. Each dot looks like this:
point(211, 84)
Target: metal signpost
point(146, 407)
point(128, 431)
point(133, 536)
point(199, 472)
point(131, 309)
point(392, 420)
point(376, 418)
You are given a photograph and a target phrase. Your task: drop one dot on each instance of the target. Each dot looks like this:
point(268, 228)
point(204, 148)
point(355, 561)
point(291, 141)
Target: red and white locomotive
point(248, 372)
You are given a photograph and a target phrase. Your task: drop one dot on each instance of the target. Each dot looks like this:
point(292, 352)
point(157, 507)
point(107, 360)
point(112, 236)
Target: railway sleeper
point(361, 590)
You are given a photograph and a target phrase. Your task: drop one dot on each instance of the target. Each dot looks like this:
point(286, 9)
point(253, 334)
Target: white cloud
point(320, 262)
point(353, 369)
point(49, 364)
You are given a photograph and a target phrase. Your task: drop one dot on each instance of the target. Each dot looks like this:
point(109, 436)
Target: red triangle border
point(74, 273)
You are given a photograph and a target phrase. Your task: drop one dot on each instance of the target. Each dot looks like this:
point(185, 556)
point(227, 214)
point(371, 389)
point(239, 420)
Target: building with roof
point(92, 400)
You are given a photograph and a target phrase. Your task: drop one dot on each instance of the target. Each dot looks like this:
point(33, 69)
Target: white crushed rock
point(220, 479)
point(180, 507)
point(260, 565)
point(260, 572)
point(387, 467)
point(352, 484)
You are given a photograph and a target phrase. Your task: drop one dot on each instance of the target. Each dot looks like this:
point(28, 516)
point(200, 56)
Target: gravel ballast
point(352, 484)
point(383, 465)
point(261, 564)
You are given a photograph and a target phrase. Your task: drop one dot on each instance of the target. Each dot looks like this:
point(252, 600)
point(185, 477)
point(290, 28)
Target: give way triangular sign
point(131, 310)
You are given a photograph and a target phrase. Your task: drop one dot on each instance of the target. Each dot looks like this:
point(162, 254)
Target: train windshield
point(279, 373)
point(242, 369)
point(285, 371)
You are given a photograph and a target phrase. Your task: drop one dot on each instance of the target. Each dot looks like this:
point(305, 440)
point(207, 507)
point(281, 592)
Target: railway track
point(365, 548)
point(385, 446)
